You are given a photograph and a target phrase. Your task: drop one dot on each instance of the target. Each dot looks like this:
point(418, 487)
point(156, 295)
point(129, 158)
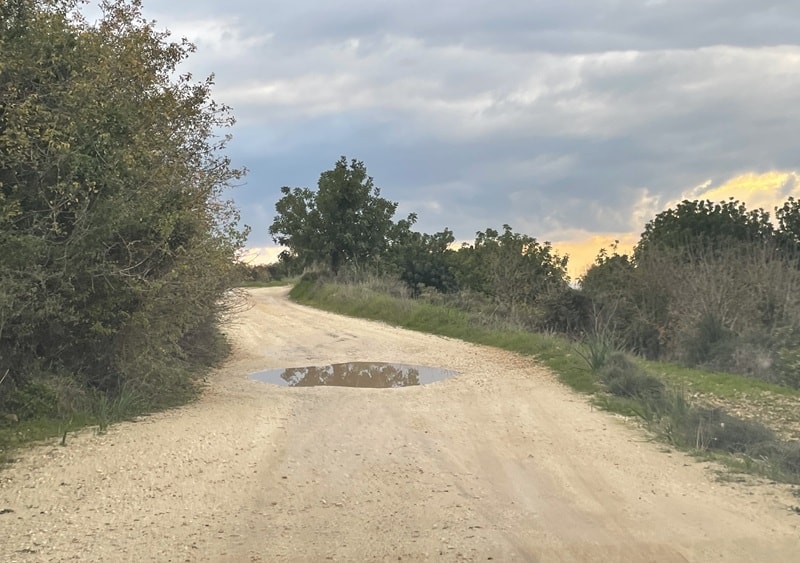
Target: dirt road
point(498, 463)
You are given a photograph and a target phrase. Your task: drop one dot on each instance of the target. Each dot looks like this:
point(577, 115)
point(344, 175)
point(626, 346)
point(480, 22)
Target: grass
point(720, 384)
point(653, 392)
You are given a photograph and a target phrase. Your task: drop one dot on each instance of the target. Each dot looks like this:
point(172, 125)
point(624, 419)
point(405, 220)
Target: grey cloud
point(570, 26)
point(544, 115)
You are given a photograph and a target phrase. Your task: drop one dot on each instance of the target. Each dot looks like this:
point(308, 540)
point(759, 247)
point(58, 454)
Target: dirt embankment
point(500, 462)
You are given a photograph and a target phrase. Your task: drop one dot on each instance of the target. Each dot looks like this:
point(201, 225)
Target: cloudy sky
point(574, 121)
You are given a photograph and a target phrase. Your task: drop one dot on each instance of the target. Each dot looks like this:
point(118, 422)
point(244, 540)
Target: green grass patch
point(37, 417)
point(720, 384)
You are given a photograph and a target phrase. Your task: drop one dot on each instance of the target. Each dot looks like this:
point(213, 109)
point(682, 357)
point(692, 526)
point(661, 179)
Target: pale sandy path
point(500, 462)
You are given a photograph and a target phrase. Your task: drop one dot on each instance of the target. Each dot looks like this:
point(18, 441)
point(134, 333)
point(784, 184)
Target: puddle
point(354, 374)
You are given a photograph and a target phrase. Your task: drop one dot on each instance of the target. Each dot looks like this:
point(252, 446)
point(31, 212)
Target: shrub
point(624, 378)
point(787, 364)
point(705, 428)
point(709, 344)
point(564, 310)
point(788, 459)
point(595, 351)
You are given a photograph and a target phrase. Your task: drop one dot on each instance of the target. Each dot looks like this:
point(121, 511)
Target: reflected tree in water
point(353, 374)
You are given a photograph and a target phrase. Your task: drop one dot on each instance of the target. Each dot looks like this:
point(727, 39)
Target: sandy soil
point(498, 463)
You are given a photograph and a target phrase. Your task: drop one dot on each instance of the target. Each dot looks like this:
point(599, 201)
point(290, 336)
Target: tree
point(710, 284)
point(513, 268)
point(423, 260)
point(788, 216)
point(116, 245)
point(344, 222)
point(703, 225)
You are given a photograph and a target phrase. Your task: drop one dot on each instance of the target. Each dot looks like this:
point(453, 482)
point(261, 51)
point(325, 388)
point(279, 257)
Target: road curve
point(500, 462)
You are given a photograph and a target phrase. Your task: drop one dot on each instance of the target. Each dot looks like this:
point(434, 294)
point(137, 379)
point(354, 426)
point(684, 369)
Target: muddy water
point(354, 374)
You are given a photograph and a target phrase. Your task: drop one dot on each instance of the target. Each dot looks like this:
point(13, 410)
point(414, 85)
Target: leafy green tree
point(628, 302)
point(513, 268)
point(701, 225)
point(116, 245)
point(345, 221)
point(710, 284)
point(424, 260)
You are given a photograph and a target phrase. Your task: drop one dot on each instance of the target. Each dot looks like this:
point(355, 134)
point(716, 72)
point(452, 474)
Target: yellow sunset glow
point(582, 253)
point(757, 190)
point(765, 191)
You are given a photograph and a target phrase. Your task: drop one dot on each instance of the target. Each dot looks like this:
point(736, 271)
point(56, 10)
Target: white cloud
point(257, 255)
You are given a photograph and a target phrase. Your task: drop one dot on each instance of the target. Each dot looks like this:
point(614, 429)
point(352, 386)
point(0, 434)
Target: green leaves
point(115, 239)
point(704, 225)
point(513, 268)
point(344, 222)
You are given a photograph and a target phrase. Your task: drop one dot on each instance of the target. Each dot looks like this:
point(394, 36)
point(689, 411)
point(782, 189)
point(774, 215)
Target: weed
point(126, 403)
point(595, 350)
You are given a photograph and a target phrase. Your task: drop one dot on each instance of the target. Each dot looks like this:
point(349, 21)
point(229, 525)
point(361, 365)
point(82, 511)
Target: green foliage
point(423, 260)
point(710, 284)
point(108, 409)
point(595, 350)
point(703, 428)
point(357, 299)
point(788, 366)
point(609, 275)
point(709, 344)
point(116, 245)
point(564, 310)
point(514, 269)
point(788, 217)
point(704, 225)
point(345, 221)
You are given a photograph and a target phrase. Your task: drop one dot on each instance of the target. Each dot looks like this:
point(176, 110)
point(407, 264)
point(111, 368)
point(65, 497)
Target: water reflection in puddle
point(354, 374)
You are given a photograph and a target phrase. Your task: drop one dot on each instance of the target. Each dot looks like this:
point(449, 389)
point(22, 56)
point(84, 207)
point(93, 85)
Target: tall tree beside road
point(345, 221)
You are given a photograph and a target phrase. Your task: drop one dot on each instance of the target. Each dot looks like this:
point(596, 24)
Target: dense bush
point(624, 378)
point(711, 285)
point(116, 247)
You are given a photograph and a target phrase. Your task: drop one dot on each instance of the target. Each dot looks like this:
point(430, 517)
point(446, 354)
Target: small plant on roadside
point(107, 410)
point(637, 386)
point(600, 342)
point(594, 350)
point(641, 394)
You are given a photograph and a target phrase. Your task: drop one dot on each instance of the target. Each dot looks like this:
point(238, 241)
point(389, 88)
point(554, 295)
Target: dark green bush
point(32, 400)
point(565, 310)
point(624, 378)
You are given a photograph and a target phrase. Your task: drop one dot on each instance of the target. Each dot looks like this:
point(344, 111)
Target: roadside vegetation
point(117, 247)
